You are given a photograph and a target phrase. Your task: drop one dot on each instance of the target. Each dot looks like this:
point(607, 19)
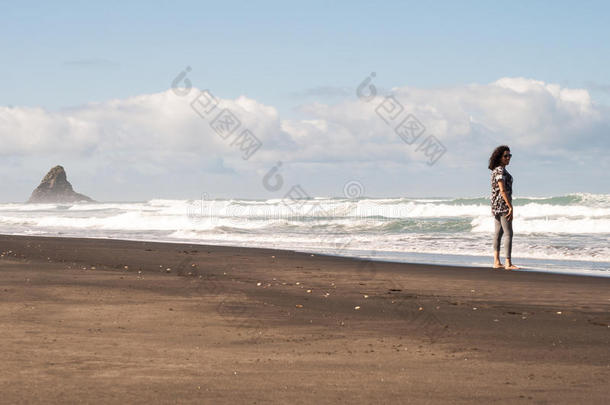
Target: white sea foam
point(570, 227)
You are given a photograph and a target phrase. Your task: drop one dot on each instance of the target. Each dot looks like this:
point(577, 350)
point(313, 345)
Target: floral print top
point(498, 205)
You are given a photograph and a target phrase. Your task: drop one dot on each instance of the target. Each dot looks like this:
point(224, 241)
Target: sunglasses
point(510, 155)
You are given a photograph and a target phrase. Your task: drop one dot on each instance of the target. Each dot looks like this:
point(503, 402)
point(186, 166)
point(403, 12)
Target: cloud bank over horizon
point(160, 143)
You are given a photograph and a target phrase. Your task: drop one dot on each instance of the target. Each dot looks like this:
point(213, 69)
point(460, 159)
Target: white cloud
point(156, 133)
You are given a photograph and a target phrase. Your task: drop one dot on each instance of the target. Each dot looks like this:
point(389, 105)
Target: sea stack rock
point(55, 188)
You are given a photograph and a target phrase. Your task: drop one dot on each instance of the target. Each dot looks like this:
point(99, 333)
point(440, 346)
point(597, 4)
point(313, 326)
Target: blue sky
point(65, 55)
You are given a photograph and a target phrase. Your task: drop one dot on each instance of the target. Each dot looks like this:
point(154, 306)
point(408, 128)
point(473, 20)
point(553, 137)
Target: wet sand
point(109, 321)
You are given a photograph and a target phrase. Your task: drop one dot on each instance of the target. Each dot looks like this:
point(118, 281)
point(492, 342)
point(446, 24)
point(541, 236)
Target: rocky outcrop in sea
point(55, 188)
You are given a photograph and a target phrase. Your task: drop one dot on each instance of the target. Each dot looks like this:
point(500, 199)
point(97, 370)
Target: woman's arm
point(509, 216)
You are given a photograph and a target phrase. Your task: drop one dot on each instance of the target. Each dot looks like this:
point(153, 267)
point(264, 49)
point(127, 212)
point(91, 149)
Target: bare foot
point(498, 265)
point(511, 267)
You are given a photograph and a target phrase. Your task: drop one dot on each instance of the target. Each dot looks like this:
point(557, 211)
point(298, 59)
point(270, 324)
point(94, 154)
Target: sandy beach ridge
point(100, 321)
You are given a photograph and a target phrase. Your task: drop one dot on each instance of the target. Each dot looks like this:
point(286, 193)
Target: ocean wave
point(573, 226)
point(560, 225)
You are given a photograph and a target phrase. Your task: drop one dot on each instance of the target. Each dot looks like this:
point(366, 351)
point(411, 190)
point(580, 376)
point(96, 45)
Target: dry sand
point(105, 321)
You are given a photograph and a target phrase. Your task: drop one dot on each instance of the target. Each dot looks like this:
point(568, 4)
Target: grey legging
point(503, 226)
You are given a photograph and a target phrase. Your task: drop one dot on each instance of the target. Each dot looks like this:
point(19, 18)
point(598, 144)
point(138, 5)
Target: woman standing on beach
point(502, 204)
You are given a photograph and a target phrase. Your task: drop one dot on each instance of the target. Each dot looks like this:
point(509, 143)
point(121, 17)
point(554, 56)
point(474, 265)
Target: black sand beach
point(110, 321)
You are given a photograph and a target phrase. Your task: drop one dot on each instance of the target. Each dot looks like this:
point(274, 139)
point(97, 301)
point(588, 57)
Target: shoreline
point(103, 320)
point(524, 268)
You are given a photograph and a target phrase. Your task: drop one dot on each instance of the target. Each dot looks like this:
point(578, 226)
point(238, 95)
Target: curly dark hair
point(494, 160)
